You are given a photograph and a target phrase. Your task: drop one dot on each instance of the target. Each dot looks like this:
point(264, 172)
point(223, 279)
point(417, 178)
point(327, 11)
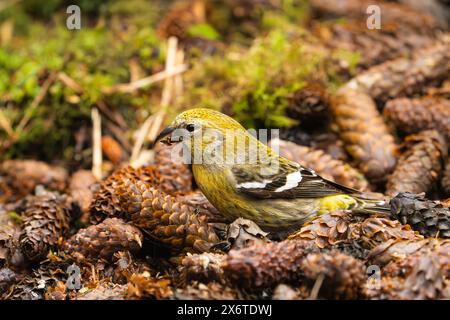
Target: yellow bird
point(243, 177)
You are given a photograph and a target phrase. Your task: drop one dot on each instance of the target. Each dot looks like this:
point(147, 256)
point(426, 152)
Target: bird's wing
point(289, 180)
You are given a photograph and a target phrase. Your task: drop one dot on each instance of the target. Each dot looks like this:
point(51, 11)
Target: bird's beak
point(164, 136)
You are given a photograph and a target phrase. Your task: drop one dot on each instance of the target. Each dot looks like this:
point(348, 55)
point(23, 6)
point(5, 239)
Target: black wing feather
point(310, 186)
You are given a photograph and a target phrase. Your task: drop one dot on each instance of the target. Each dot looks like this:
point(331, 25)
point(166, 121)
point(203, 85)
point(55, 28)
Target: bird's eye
point(190, 127)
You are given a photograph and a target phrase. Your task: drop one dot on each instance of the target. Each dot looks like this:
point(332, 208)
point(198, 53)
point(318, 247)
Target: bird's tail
point(372, 206)
point(356, 203)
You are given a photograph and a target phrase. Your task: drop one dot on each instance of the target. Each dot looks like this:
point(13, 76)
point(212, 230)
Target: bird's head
point(204, 129)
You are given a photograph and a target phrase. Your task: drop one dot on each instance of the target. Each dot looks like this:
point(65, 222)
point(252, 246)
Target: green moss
point(94, 57)
point(255, 84)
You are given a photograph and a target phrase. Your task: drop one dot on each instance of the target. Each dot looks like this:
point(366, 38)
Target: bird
point(244, 178)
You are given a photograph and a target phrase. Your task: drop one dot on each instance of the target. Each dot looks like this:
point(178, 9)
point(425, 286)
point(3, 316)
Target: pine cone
point(105, 291)
point(405, 76)
point(326, 230)
point(210, 291)
point(374, 46)
point(112, 149)
point(323, 164)
point(404, 265)
point(164, 218)
point(176, 176)
point(265, 266)
point(180, 17)
point(343, 275)
point(426, 281)
point(428, 217)
point(392, 13)
point(309, 105)
point(415, 274)
point(197, 200)
point(374, 231)
point(334, 229)
point(414, 115)
point(101, 241)
point(80, 192)
point(420, 165)
point(445, 182)
point(134, 194)
point(395, 250)
point(45, 221)
point(364, 132)
point(22, 176)
point(106, 202)
point(204, 268)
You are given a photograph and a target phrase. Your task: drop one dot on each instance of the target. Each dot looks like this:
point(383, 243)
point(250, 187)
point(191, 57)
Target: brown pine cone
point(112, 149)
point(106, 202)
point(445, 182)
point(134, 194)
point(164, 217)
point(391, 13)
point(265, 266)
point(364, 132)
point(205, 267)
point(428, 217)
point(402, 265)
point(202, 205)
point(101, 241)
point(414, 115)
point(395, 250)
point(378, 230)
point(176, 176)
point(309, 105)
point(343, 275)
point(333, 229)
point(323, 164)
point(420, 165)
point(426, 281)
point(180, 17)
point(45, 221)
point(326, 230)
point(374, 46)
point(81, 193)
point(209, 291)
point(22, 176)
point(405, 76)
point(415, 272)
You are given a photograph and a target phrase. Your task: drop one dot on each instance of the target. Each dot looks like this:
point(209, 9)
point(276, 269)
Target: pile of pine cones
point(148, 233)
